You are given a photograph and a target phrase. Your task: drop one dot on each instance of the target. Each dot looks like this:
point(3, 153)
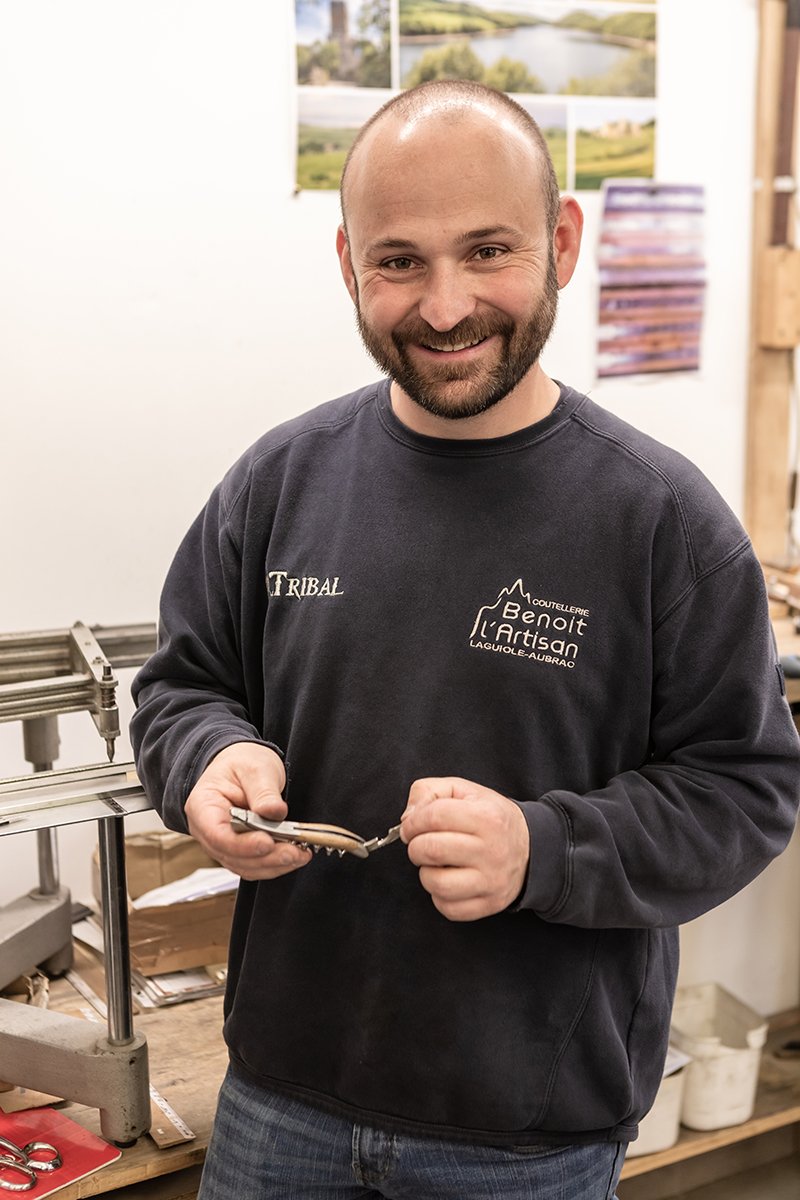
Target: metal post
point(111, 836)
point(41, 742)
point(47, 849)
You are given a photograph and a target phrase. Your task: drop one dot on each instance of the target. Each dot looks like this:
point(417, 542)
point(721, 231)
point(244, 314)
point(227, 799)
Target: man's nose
point(446, 299)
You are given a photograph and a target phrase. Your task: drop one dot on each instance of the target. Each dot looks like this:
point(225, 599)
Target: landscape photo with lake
point(545, 46)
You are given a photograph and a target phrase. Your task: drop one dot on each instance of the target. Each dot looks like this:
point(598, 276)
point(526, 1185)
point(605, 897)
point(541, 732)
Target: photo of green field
point(557, 145)
point(552, 118)
point(615, 142)
point(328, 120)
point(320, 155)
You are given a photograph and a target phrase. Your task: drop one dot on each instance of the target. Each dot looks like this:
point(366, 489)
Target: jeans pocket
point(539, 1150)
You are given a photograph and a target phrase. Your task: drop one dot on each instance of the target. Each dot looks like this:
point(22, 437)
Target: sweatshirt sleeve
point(192, 695)
point(718, 796)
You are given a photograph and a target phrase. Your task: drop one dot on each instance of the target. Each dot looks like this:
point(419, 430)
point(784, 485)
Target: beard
point(457, 390)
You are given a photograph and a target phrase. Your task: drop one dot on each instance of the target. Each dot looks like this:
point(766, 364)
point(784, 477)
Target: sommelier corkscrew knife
point(313, 835)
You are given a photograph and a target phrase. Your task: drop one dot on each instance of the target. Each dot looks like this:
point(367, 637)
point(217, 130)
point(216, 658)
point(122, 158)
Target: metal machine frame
point(41, 676)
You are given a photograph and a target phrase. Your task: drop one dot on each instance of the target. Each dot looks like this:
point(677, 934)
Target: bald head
point(451, 101)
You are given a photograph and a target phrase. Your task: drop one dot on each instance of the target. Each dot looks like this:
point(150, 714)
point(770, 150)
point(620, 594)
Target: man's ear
point(567, 239)
point(346, 263)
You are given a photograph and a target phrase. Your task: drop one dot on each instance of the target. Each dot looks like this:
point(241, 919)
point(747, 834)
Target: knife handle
point(312, 835)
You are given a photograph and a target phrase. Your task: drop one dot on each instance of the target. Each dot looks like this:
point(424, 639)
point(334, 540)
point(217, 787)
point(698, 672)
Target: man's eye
point(486, 253)
point(398, 264)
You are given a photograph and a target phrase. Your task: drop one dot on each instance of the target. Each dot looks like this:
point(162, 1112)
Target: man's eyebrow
point(390, 244)
point(472, 235)
point(491, 231)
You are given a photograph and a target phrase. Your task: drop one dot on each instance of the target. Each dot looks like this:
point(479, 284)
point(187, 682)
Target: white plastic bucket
point(660, 1128)
point(724, 1039)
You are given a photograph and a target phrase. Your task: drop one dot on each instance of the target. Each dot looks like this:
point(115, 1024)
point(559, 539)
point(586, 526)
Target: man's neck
point(532, 400)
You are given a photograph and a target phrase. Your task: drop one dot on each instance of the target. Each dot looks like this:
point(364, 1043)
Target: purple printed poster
point(652, 278)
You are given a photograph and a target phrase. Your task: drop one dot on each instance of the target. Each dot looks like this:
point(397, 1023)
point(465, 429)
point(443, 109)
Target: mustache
point(472, 329)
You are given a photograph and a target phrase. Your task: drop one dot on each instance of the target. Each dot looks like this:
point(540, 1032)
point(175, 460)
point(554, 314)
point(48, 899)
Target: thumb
point(262, 785)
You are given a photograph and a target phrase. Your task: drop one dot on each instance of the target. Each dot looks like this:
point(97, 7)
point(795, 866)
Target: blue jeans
point(265, 1146)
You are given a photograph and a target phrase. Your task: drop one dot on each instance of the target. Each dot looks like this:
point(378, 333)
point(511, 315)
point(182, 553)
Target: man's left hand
point(471, 846)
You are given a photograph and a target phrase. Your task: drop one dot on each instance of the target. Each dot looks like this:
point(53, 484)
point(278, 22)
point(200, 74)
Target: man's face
point(453, 272)
point(452, 383)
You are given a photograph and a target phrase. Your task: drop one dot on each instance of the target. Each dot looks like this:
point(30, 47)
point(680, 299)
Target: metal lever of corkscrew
point(313, 835)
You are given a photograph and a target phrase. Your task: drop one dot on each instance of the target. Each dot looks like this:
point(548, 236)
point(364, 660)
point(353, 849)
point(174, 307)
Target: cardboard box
point(158, 857)
point(174, 937)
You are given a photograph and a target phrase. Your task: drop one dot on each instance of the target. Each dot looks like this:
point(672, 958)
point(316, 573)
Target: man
point(468, 599)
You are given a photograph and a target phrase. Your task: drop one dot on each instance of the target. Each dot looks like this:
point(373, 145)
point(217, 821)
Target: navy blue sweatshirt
point(570, 615)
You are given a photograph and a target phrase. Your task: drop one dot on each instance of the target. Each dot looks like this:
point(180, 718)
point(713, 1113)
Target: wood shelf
point(778, 1181)
point(777, 1105)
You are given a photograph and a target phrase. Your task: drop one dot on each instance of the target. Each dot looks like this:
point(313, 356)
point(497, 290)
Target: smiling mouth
point(453, 347)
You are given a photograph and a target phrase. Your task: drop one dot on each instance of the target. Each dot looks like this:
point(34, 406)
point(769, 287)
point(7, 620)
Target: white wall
point(164, 298)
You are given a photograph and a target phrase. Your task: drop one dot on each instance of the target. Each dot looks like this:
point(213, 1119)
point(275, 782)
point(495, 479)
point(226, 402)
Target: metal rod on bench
point(111, 837)
point(41, 743)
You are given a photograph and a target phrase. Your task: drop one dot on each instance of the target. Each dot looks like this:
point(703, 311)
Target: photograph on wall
point(343, 43)
point(554, 50)
point(552, 47)
point(327, 123)
point(552, 117)
point(613, 138)
point(652, 276)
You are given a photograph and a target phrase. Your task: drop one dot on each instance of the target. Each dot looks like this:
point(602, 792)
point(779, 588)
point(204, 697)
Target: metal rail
point(70, 796)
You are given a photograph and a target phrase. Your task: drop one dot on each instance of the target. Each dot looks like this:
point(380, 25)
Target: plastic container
point(724, 1039)
point(660, 1128)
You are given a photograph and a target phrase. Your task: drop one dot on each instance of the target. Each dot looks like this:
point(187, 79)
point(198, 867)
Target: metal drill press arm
point(70, 670)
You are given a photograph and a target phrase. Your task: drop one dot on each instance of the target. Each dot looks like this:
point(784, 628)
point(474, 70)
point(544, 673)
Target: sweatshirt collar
point(565, 406)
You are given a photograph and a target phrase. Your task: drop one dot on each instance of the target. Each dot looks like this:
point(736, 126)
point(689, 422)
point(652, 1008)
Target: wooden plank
point(767, 494)
point(778, 1181)
point(784, 150)
point(182, 1185)
point(779, 298)
point(770, 375)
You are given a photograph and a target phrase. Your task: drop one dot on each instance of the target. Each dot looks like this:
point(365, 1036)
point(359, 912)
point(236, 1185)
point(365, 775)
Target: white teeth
point(456, 346)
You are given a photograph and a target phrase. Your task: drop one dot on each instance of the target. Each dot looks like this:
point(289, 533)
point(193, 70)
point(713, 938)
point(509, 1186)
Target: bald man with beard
point(467, 599)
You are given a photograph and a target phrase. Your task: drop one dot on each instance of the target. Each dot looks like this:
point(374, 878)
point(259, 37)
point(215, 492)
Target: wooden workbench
point(187, 1062)
point(788, 642)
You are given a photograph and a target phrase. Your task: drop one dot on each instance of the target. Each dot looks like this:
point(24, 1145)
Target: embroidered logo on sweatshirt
point(534, 628)
point(298, 587)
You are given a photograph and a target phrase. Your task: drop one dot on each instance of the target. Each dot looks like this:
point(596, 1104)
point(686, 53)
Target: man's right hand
point(243, 775)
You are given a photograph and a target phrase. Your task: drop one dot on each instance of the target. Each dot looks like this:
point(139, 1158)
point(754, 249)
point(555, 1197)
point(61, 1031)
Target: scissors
point(19, 1159)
